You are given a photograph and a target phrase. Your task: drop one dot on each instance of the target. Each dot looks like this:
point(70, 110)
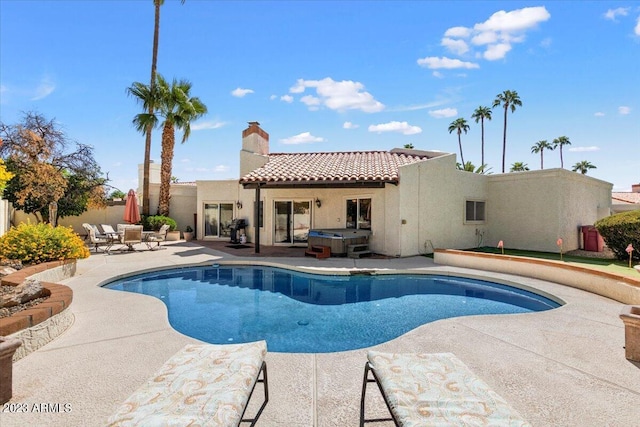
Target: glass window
point(474, 211)
point(359, 214)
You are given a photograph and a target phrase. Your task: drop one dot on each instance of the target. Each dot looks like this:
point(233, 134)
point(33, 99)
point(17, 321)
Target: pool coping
point(624, 289)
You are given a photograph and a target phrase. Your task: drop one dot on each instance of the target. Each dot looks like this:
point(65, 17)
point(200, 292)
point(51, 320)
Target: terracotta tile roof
point(333, 167)
point(627, 197)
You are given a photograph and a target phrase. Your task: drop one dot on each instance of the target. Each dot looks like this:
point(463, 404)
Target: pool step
point(358, 250)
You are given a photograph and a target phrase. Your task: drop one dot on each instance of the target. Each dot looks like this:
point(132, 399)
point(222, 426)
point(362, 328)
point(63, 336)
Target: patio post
point(256, 220)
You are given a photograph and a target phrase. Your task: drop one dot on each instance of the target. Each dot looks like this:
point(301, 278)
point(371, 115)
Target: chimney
point(255, 148)
point(635, 188)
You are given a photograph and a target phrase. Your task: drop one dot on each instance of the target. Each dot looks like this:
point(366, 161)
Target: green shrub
point(154, 222)
point(620, 230)
point(37, 243)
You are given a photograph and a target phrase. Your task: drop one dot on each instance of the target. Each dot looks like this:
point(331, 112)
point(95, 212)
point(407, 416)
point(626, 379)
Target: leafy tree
point(509, 99)
point(583, 167)
point(117, 194)
point(459, 125)
point(539, 147)
point(46, 170)
point(561, 142)
point(5, 175)
point(409, 146)
point(174, 105)
point(519, 167)
point(481, 114)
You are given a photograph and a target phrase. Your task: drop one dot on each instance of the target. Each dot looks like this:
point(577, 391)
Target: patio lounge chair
point(95, 239)
point(159, 236)
point(434, 389)
point(202, 384)
point(131, 235)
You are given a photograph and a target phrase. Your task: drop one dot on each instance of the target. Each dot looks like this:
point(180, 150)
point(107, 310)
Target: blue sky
point(334, 76)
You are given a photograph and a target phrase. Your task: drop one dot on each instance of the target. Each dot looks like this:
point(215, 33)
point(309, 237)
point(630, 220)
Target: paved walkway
point(563, 367)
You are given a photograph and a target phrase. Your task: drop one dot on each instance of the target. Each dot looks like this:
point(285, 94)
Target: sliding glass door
point(292, 221)
point(217, 219)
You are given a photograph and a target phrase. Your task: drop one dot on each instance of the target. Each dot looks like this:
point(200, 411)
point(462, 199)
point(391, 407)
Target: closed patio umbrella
point(131, 210)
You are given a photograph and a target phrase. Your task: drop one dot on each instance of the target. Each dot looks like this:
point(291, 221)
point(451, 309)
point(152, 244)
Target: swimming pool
point(312, 313)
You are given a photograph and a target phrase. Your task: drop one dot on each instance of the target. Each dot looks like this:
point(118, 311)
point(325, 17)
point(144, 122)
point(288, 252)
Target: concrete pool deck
point(564, 367)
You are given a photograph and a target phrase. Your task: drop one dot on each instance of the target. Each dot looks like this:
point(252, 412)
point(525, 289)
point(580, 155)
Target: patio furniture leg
point(253, 420)
point(365, 381)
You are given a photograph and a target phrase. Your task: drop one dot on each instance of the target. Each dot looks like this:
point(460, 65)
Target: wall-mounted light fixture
point(239, 204)
point(318, 203)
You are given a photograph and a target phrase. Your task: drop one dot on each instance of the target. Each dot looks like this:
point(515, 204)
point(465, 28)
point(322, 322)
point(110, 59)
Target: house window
point(359, 213)
point(475, 211)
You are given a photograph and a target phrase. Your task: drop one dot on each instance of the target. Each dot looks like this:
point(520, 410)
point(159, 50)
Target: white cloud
point(44, 89)
point(287, 98)
point(496, 35)
point(272, 97)
point(637, 28)
point(207, 125)
point(444, 113)
point(401, 127)
point(459, 47)
point(599, 114)
point(496, 51)
point(437, 74)
point(340, 96)
point(434, 63)
point(584, 149)
point(240, 92)
point(221, 168)
point(612, 14)
point(515, 20)
point(624, 110)
point(462, 32)
point(301, 138)
point(349, 125)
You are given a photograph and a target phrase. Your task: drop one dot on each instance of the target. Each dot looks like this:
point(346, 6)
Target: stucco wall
point(432, 206)
point(224, 191)
point(531, 210)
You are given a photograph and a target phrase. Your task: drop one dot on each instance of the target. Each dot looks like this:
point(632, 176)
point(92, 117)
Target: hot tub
point(338, 239)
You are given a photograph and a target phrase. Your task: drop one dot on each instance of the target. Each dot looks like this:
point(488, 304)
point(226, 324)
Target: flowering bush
point(34, 244)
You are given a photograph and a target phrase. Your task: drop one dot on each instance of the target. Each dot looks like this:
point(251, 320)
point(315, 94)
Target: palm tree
point(583, 167)
point(470, 167)
point(150, 108)
point(539, 147)
point(459, 125)
point(509, 100)
point(173, 104)
point(519, 167)
point(179, 109)
point(480, 114)
point(561, 141)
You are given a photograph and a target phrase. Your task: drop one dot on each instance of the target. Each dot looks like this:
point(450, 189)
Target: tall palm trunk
point(542, 159)
point(147, 142)
point(460, 144)
point(482, 138)
point(561, 162)
point(168, 144)
point(504, 137)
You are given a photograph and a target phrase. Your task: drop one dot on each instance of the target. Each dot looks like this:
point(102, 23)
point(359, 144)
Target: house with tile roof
point(623, 201)
point(406, 201)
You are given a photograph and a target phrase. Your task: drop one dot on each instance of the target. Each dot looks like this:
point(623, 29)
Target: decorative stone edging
point(624, 289)
point(47, 316)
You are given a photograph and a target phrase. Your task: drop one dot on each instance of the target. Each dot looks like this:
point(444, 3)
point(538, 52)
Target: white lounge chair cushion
point(201, 385)
point(439, 390)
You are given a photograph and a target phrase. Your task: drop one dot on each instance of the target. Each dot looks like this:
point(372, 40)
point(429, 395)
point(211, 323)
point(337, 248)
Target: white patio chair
point(96, 240)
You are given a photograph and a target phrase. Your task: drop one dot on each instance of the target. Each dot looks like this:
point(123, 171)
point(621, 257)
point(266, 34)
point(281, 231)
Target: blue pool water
point(308, 313)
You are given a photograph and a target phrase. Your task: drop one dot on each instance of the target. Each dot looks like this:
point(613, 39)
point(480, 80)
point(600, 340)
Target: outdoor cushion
point(438, 390)
point(203, 385)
